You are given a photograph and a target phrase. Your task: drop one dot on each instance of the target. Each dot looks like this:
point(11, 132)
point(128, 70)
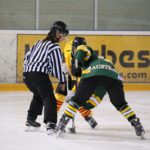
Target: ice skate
point(138, 127)
point(62, 124)
point(51, 128)
point(91, 121)
point(32, 126)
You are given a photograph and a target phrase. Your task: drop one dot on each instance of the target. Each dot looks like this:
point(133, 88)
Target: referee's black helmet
point(61, 27)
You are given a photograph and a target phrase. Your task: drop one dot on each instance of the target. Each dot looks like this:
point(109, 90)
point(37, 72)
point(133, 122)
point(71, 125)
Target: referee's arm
point(56, 61)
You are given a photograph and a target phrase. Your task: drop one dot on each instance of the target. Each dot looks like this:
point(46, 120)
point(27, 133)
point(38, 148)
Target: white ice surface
point(113, 133)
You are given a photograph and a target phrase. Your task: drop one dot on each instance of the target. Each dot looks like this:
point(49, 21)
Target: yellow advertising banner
point(129, 53)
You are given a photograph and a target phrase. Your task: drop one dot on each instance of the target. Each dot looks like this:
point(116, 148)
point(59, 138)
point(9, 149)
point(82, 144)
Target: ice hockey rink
point(113, 132)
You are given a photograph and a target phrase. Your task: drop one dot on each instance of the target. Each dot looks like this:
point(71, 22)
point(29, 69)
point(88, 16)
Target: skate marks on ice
point(108, 134)
point(113, 138)
point(114, 131)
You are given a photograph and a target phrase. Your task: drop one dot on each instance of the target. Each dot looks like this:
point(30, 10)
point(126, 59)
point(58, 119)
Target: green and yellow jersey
point(94, 66)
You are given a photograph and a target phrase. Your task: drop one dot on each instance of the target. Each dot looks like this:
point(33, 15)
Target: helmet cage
point(76, 42)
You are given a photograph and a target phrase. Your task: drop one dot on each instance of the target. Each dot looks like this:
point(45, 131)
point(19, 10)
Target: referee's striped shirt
point(45, 57)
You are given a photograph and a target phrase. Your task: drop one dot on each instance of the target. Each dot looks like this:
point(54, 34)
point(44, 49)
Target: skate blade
point(96, 127)
point(142, 136)
point(59, 134)
point(32, 129)
point(49, 132)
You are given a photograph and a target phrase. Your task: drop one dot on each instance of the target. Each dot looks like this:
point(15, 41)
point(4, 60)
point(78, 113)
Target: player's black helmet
point(78, 41)
point(60, 26)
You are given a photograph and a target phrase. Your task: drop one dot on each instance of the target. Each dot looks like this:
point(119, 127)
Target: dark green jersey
point(94, 66)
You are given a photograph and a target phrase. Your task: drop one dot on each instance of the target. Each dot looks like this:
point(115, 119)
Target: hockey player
point(97, 72)
point(60, 95)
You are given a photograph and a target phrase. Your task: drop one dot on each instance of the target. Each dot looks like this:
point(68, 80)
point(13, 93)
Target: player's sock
point(59, 104)
point(60, 99)
point(92, 102)
point(85, 112)
point(71, 109)
point(127, 112)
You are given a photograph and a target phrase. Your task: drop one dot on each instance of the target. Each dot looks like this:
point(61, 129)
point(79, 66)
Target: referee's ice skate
point(32, 125)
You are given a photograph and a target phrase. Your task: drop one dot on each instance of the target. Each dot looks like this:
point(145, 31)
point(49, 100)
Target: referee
point(44, 58)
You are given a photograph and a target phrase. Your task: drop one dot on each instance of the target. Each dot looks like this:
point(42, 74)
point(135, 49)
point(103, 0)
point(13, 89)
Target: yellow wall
point(22, 87)
point(129, 53)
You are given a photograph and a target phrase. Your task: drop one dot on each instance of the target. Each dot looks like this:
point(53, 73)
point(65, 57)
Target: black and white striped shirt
point(45, 57)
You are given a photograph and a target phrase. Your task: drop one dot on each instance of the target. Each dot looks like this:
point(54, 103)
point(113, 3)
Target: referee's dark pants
point(43, 95)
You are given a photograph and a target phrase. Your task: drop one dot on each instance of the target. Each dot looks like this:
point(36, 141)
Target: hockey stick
point(72, 129)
